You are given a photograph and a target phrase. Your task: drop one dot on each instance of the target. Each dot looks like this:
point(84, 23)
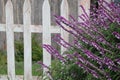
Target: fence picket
point(64, 13)
point(46, 32)
point(27, 41)
point(27, 29)
point(10, 41)
point(85, 4)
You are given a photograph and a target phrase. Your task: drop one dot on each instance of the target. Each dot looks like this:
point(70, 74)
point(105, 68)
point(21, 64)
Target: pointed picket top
point(46, 31)
point(9, 3)
point(27, 40)
point(46, 9)
point(27, 12)
point(46, 13)
point(27, 5)
point(9, 12)
point(85, 4)
point(10, 41)
point(65, 14)
point(46, 3)
point(64, 9)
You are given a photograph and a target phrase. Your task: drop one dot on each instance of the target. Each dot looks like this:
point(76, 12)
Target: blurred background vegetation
point(19, 57)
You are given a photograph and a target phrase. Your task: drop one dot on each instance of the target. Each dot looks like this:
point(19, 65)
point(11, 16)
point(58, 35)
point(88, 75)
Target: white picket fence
point(46, 29)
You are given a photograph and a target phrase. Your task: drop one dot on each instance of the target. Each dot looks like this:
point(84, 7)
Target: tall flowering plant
point(96, 45)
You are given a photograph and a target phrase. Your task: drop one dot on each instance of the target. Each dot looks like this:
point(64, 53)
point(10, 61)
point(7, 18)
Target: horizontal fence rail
point(27, 29)
point(34, 28)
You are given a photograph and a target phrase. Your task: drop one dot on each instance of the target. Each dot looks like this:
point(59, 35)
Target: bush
point(36, 50)
point(96, 48)
point(3, 58)
point(69, 71)
point(19, 54)
point(3, 62)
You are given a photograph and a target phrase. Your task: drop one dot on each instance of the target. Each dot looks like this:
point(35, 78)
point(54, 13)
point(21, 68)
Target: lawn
point(20, 68)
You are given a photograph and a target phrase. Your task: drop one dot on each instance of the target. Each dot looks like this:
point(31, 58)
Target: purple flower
point(118, 45)
point(108, 61)
point(89, 32)
point(94, 73)
point(86, 15)
point(43, 65)
point(117, 60)
point(98, 47)
point(68, 30)
point(90, 55)
point(79, 57)
point(69, 57)
point(101, 39)
point(54, 52)
point(116, 34)
point(59, 40)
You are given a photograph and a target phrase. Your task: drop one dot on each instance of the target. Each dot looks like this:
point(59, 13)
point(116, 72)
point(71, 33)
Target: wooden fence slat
point(27, 29)
point(46, 32)
point(27, 41)
point(79, 10)
point(64, 13)
point(85, 4)
point(10, 41)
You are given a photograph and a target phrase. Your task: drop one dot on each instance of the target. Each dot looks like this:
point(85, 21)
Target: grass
point(20, 69)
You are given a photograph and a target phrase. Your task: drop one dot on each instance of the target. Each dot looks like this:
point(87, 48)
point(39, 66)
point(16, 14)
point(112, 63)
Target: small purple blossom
point(90, 44)
point(94, 73)
point(116, 34)
point(43, 65)
point(54, 52)
point(59, 40)
point(89, 54)
point(118, 61)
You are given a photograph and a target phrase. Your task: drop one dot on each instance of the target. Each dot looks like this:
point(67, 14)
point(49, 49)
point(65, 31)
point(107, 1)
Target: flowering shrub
point(96, 45)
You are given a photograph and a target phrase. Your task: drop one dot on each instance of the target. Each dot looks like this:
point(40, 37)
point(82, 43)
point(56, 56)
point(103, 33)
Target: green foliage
point(19, 55)
point(67, 71)
point(36, 50)
point(19, 51)
point(114, 51)
point(19, 66)
point(95, 53)
point(3, 58)
point(3, 62)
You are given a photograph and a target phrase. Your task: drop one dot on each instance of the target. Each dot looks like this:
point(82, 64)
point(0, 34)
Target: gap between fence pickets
point(18, 77)
point(34, 28)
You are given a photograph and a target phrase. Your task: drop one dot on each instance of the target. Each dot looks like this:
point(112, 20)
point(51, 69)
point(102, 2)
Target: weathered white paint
point(18, 77)
point(34, 28)
point(65, 14)
point(79, 10)
point(46, 32)
point(27, 29)
point(27, 41)
point(10, 41)
point(85, 4)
